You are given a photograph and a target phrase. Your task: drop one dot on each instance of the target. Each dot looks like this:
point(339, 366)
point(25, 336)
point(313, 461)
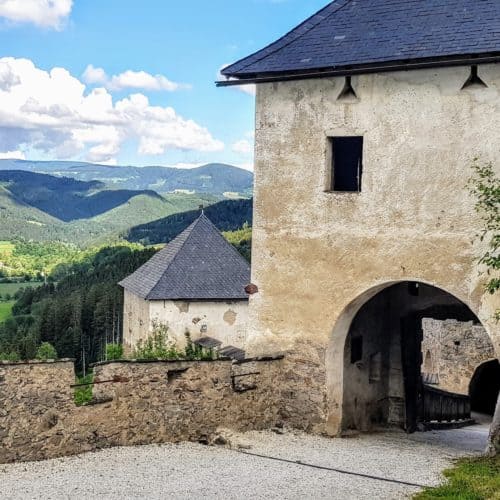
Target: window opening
point(347, 163)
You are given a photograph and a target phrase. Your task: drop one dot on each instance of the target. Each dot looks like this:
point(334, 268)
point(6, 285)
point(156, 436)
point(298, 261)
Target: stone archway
point(368, 374)
point(484, 387)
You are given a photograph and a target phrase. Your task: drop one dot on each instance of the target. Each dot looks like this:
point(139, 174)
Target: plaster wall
point(224, 321)
point(318, 256)
point(136, 321)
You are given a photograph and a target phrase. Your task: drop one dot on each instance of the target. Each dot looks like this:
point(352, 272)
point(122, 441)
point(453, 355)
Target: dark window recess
point(347, 163)
point(356, 349)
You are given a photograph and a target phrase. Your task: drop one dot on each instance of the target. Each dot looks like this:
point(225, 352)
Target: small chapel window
point(347, 163)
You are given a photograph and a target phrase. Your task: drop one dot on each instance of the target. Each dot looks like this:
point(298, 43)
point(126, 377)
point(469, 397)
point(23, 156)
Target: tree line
point(78, 315)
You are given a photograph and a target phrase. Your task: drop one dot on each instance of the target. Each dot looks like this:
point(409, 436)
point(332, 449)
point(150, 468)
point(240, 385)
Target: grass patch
point(5, 310)
point(83, 395)
point(470, 479)
point(6, 247)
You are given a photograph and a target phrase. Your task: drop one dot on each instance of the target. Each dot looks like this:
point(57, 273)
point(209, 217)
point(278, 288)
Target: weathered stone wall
point(453, 350)
point(154, 402)
point(318, 256)
point(36, 401)
point(224, 321)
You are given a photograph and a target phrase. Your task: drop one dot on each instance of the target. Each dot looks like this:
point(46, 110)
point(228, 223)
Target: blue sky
point(136, 78)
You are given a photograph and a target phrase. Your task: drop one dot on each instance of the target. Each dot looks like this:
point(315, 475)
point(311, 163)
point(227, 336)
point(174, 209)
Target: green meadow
point(5, 310)
point(6, 247)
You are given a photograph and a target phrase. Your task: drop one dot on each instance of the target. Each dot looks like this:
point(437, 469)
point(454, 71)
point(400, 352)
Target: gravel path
point(374, 466)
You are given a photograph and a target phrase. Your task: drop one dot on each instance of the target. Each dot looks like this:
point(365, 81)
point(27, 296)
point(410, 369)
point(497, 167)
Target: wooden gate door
point(411, 356)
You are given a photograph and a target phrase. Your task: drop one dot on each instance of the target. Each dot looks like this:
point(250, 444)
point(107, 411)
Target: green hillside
point(228, 215)
point(18, 219)
point(45, 208)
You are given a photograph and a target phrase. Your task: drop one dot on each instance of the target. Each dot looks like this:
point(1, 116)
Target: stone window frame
point(328, 162)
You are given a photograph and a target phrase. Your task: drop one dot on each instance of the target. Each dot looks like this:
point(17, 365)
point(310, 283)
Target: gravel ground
point(374, 466)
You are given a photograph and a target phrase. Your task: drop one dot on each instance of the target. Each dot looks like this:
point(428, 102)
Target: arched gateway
point(376, 379)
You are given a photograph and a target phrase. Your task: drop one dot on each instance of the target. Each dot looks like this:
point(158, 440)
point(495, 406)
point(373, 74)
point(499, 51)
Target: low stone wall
point(140, 403)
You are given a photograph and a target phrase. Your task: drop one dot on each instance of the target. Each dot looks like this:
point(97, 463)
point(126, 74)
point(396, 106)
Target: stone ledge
point(259, 359)
point(158, 361)
point(37, 362)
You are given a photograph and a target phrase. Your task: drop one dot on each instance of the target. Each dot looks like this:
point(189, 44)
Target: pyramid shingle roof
point(199, 264)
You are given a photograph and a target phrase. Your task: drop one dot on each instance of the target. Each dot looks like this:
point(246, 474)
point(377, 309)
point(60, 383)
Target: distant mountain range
point(214, 178)
point(43, 207)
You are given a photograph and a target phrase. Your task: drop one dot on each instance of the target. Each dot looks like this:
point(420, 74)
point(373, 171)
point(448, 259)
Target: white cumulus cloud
point(55, 113)
point(12, 155)
point(45, 13)
point(94, 75)
point(243, 147)
point(130, 80)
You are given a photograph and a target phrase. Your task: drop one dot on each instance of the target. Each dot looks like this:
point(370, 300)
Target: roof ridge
point(278, 46)
point(188, 230)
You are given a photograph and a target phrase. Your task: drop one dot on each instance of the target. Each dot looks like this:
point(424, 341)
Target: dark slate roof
point(364, 33)
point(197, 264)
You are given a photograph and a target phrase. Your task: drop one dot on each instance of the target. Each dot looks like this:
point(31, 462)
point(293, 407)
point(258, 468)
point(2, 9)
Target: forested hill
point(40, 207)
point(228, 215)
point(64, 198)
point(214, 178)
point(79, 314)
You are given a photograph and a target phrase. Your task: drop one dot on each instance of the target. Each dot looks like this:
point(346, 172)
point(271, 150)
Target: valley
point(85, 204)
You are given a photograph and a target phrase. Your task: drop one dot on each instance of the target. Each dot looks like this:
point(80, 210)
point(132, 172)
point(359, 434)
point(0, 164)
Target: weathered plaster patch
point(230, 317)
point(182, 306)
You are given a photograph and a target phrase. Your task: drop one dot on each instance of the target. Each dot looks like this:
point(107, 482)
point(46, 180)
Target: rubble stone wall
point(155, 402)
point(452, 351)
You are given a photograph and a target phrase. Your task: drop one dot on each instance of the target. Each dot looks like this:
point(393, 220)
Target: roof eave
point(199, 299)
point(348, 70)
